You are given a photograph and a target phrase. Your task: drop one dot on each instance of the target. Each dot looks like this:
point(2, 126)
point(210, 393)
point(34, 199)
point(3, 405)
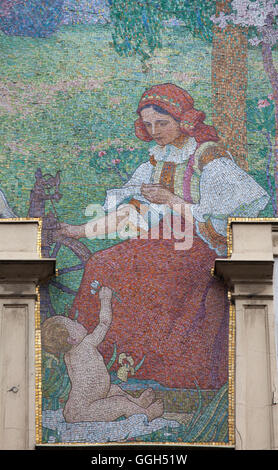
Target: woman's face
point(161, 127)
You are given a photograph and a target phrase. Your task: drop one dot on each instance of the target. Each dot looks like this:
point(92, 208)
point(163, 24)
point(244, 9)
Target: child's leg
point(144, 400)
point(111, 408)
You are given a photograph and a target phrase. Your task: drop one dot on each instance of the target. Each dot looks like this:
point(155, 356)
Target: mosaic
point(134, 131)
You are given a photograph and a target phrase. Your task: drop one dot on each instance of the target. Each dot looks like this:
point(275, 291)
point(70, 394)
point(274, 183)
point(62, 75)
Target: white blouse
point(225, 189)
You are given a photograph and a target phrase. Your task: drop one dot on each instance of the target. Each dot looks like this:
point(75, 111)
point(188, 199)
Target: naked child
point(92, 396)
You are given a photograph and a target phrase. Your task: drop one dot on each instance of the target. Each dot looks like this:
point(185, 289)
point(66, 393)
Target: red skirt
point(172, 313)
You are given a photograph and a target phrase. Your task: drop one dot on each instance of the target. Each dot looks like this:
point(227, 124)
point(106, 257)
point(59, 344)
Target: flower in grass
point(116, 161)
point(115, 99)
point(263, 103)
point(119, 150)
point(126, 367)
point(102, 153)
point(131, 149)
point(270, 96)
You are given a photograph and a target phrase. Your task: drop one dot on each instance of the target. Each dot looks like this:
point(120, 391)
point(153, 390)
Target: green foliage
point(260, 115)
point(196, 15)
point(137, 24)
point(120, 160)
point(261, 122)
point(55, 382)
point(113, 358)
point(48, 435)
point(208, 423)
point(136, 27)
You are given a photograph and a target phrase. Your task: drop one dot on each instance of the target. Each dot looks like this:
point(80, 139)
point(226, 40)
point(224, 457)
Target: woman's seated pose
point(173, 314)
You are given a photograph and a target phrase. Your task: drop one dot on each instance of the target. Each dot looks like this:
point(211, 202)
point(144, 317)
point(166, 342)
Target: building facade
point(138, 217)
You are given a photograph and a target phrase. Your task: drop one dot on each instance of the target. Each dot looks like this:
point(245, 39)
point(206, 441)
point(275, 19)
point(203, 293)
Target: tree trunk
point(229, 87)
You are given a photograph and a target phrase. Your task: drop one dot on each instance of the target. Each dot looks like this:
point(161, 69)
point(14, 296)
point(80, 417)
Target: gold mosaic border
point(231, 375)
point(231, 382)
point(38, 370)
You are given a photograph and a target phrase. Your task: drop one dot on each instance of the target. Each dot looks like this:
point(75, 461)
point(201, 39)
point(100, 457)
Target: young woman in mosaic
point(170, 314)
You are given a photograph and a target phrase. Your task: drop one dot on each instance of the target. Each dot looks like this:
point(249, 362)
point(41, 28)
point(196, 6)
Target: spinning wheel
point(46, 188)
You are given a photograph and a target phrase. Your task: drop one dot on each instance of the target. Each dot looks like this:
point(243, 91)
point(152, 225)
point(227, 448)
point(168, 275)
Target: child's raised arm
point(105, 317)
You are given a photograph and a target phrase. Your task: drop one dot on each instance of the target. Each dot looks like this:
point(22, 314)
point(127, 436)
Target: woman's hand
point(71, 231)
point(157, 194)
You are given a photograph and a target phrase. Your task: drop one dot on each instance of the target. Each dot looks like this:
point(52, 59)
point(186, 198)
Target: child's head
point(60, 334)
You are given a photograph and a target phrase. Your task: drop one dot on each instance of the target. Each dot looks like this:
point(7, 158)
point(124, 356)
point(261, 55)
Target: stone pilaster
point(248, 273)
point(21, 271)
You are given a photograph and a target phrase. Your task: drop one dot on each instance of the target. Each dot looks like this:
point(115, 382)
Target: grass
point(208, 423)
point(68, 92)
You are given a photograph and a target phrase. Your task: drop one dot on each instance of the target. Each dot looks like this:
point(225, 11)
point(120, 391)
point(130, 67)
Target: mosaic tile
point(143, 108)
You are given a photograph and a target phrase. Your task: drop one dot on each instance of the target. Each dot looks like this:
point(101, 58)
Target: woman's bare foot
point(146, 398)
point(155, 410)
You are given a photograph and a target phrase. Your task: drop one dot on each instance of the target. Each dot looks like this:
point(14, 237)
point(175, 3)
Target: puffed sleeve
point(227, 191)
point(114, 197)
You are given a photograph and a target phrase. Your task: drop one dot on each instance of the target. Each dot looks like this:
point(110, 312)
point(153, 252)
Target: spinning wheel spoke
point(56, 249)
point(61, 286)
point(70, 269)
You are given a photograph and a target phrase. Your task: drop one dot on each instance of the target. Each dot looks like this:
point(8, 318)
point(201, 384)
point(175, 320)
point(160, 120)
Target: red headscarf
point(179, 105)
